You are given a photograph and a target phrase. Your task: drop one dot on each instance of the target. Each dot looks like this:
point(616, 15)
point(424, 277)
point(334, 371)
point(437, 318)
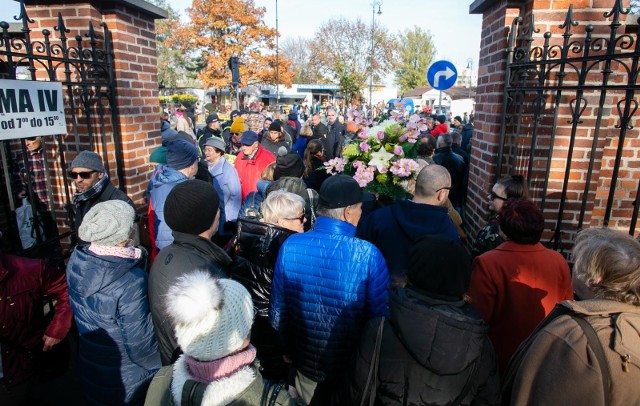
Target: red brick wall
point(137, 88)
point(488, 111)
point(134, 48)
point(549, 15)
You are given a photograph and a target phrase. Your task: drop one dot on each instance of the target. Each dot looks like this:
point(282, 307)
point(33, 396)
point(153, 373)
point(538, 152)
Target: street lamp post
point(375, 3)
point(277, 63)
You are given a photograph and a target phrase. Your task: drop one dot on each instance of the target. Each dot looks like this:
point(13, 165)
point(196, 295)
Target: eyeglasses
point(494, 196)
point(30, 138)
point(83, 175)
point(301, 219)
point(444, 188)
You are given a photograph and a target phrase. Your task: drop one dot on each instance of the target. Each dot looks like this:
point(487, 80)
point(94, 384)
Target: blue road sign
point(442, 75)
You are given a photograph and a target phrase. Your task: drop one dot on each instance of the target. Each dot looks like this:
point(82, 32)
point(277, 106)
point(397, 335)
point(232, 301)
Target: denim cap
point(248, 138)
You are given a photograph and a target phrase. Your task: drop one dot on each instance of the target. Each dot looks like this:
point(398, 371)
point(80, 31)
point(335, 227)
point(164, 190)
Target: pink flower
point(357, 164)
point(364, 175)
point(380, 135)
point(364, 147)
point(403, 138)
point(363, 134)
point(404, 167)
point(335, 165)
point(398, 150)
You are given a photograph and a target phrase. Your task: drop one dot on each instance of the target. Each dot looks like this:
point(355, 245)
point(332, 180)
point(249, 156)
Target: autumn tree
point(171, 65)
point(297, 51)
point(219, 30)
point(415, 53)
point(342, 53)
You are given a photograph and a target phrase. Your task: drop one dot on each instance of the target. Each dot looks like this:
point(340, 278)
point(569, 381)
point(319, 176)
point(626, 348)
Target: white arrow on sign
point(447, 73)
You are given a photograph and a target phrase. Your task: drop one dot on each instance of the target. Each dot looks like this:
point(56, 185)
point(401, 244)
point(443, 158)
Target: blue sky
point(456, 33)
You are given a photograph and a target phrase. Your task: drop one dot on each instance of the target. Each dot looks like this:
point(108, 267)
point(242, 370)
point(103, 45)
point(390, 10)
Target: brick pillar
point(497, 18)
point(132, 27)
point(549, 15)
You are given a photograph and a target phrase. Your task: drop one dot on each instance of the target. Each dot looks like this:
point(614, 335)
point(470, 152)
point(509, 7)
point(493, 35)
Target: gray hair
point(281, 204)
point(608, 262)
point(331, 213)
point(445, 140)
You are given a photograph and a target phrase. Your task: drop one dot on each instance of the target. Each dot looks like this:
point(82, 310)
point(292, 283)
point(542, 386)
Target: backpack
point(593, 342)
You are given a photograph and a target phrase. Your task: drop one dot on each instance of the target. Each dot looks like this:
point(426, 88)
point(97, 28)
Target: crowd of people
point(269, 281)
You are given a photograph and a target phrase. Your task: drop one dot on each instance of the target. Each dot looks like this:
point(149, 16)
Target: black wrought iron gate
point(570, 105)
point(84, 65)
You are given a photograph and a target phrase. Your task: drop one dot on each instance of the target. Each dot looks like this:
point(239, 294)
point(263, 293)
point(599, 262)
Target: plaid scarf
point(88, 194)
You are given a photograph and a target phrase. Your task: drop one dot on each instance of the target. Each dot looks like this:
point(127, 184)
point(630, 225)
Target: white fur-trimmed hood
point(218, 393)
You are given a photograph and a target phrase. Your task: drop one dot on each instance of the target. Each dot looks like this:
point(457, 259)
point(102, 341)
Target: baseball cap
point(248, 138)
point(212, 118)
point(341, 191)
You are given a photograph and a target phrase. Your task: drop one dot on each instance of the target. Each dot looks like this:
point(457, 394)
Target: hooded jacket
point(166, 131)
point(118, 352)
point(187, 253)
point(163, 180)
point(243, 388)
point(395, 228)
point(432, 352)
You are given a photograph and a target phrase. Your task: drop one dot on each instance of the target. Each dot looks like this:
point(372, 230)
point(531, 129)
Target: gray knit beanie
point(89, 160)
point(107, 223)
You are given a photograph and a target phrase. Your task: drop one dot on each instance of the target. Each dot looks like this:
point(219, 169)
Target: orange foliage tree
point(219, 30)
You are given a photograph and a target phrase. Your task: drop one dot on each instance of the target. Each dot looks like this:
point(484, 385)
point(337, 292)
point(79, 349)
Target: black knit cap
point(439, 267)
point(288, 164)
point(191, 207)
point(275, 126)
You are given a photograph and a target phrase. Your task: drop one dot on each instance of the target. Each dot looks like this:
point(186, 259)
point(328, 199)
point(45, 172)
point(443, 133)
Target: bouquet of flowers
point(381, 160)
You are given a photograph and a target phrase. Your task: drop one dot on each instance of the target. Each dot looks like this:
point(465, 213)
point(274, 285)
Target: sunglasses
point(495, 196)
point(83, 175)
point(443, 188)
point(30, 138)
point(301, 219)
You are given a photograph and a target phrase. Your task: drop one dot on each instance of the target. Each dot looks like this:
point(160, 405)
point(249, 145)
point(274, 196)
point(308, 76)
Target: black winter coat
point(455, 165)
point(336, 132)
point(255, 250)
point(433, 353)
point(328, 139)
point(186, 254)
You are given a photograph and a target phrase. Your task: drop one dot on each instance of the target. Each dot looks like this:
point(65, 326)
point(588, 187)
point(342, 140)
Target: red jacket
point(514, 287)
point(249, 170)
point(23, 284)
point(440, 129)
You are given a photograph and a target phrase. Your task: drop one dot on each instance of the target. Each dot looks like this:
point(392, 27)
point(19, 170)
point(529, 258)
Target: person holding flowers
point(395, 228)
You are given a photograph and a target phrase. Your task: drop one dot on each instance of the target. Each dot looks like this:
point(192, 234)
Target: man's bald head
point(432, 180)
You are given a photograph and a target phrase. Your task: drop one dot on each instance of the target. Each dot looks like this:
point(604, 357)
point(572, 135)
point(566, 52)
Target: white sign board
point(31, 108)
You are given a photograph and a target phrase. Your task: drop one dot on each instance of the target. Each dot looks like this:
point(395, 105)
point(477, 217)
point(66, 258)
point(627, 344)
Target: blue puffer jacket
point(326, 285)
point(162, 181)
point(118, 353)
